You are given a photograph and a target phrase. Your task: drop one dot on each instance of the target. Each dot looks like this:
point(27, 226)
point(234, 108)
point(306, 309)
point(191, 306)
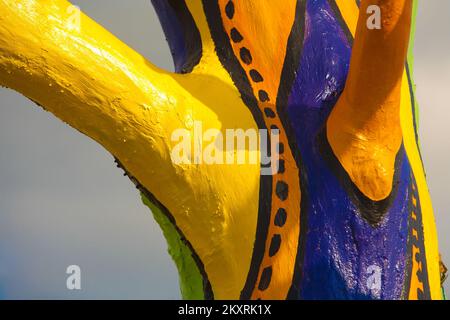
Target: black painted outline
point(207, 288)
point(228, 59)
point(191, 34)
point(413, 106)
point(340, 19)
point(420, 244)
point(291, 65)
point(371, 211)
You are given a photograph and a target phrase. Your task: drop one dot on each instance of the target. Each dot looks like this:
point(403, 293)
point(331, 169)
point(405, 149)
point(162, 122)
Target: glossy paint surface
point(251, 66)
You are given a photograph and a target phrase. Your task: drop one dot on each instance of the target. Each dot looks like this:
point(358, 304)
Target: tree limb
point(364, 129)
point(89, 79)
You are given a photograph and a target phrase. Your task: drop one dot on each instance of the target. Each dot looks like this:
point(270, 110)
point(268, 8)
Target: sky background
point(63, 201)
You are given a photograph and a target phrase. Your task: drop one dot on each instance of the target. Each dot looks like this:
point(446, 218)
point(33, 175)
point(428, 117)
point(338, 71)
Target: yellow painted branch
point(81, 73)
point(95, 83)
point(86, 77)
point(364, 128)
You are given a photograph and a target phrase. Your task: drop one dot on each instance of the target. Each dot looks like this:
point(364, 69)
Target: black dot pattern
point(416, 238)
point(246, 56)
point(274, 245)
point(274, 127)
point(269, 113)
point(266, 277)
point(236, 36)
point(229, 10)
point(281, 166)
point(280, 217)
point(281, 189)
point(420, 294)
point(263, 96)
point(256, 76)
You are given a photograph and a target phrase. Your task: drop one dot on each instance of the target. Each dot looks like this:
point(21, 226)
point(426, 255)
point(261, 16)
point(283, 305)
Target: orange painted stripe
point(354, 132)
point(266, 43)
point(416, 284)
point(350, 12)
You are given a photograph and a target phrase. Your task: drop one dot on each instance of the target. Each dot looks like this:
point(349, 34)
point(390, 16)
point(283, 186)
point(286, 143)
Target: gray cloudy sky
point(63, 202)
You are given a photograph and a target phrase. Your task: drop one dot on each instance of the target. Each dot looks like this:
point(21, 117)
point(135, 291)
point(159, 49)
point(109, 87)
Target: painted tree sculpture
point(349, 198)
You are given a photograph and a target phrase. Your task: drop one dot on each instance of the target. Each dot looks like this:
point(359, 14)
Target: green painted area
point(411, 71)
point(413, 34)
point(411, 61)
point(191, 280)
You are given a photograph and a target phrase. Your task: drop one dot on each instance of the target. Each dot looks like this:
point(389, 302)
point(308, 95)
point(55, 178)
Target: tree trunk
point(344, 211)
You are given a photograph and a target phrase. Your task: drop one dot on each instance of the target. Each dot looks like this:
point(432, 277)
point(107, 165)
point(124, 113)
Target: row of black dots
point(416, 241)
point(246, 57)
point(282, 188)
